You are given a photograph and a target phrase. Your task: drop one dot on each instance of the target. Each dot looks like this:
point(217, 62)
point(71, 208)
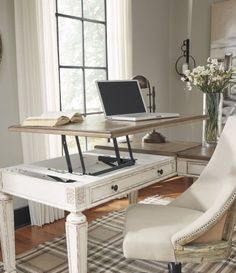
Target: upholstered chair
point(197, 226)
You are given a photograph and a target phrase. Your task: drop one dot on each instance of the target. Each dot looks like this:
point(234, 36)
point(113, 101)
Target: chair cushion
point(149, 228)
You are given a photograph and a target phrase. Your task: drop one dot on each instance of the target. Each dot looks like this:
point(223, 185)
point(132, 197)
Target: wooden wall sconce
point(0, 49)
point(185, 61)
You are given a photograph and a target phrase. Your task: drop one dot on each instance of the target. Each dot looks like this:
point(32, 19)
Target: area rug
point(105, 252)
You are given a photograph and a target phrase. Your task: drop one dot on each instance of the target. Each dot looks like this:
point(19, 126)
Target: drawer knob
point(160, 171)
point(114, 187)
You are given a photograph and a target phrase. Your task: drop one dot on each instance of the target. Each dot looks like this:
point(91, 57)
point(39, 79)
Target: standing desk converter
point(81, 181)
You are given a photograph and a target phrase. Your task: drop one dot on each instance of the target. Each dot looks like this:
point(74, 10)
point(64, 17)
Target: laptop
point(123, 100)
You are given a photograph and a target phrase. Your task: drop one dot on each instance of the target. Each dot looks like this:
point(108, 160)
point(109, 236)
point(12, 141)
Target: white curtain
point(37, 84)
point(119, 37)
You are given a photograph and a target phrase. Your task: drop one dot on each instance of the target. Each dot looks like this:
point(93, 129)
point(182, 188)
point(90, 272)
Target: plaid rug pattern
point(105, 253)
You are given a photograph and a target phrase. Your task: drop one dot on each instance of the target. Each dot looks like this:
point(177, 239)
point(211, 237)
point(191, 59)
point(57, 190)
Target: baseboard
point(21, 217)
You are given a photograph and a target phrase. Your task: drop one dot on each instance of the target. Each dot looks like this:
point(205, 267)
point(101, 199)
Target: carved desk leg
point(133, 197)
point(76, 238)
point(7, 232)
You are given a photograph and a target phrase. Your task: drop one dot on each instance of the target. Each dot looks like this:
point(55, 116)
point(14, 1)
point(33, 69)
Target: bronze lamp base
point(154, 137)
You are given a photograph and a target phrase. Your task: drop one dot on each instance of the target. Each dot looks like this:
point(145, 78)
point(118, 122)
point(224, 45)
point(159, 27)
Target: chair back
point(216, 185)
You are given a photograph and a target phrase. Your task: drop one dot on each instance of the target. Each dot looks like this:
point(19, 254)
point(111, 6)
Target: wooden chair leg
point(174, 267)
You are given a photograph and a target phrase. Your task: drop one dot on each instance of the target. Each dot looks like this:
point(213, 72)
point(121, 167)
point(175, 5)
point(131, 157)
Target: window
point(82, 56)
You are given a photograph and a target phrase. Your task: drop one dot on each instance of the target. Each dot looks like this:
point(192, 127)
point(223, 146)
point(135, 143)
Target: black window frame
point(82, 67)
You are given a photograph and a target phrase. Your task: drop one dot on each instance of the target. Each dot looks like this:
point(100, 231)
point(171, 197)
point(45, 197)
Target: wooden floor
point(29, 237)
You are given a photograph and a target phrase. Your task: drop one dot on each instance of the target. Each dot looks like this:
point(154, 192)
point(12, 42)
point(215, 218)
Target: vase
point(213, 125)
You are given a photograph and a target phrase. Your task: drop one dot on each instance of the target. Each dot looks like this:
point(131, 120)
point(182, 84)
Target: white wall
point(10, 143)
point(183, 101)
point(159, 28)
point(151, 23)
point(151, 40)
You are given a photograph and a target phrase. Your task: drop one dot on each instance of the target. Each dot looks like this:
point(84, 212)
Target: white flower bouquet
point(211, 78)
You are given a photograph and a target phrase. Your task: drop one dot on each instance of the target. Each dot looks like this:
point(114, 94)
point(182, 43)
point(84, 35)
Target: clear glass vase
point(213, 125)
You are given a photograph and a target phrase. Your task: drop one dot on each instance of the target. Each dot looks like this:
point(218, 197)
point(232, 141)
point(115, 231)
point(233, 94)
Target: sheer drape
point(38, 75)
point(119, 37)
point(37, 84)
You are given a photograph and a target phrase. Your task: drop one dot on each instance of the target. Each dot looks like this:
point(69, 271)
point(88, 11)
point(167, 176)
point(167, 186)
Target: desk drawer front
point(123, 184)
point(190, 167)
point(195, 168)
point(166, 169)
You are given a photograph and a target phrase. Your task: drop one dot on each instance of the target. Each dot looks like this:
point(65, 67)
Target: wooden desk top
point(198, 153)
point(181, 149)
point(172, 148)
point(97, 126)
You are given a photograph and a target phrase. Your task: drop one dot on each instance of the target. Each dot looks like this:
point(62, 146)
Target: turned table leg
point(7, 232)
point(133, 197)
point(76, 238)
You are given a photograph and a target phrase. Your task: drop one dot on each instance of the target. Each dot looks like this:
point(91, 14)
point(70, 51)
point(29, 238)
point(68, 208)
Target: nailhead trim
point(194, 234)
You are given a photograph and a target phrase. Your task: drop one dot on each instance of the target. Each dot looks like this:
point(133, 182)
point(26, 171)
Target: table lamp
point(152, 137)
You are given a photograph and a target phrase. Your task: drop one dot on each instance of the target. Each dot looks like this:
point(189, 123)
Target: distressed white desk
point(37, 182)
point(56, 183)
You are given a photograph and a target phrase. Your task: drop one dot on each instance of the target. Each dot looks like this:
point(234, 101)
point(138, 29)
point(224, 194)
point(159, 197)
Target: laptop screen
point(121, 97)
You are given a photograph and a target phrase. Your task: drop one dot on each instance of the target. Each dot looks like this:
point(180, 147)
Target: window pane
point(70, 41)
point(69, 7)
point(94, 9)
point(72, 96)
point(92, 99)
point(95, 48)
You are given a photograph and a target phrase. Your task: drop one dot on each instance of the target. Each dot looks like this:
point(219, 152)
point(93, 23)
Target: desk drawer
point(190, 167)
point(195, 168)
point(125, 183)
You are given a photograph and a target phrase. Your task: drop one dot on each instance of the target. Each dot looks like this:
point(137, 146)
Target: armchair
point(197, 226)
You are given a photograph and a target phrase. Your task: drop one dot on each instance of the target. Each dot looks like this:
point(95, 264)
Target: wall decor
point(223, 47)
point(0, 48)
point(185, 61)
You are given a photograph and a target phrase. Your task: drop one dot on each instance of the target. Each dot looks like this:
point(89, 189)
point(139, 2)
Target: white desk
point(33, 182)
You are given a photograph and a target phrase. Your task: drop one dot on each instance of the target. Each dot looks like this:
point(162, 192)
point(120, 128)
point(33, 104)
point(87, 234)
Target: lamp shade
point(143, 82)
